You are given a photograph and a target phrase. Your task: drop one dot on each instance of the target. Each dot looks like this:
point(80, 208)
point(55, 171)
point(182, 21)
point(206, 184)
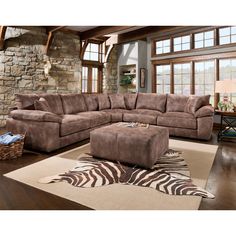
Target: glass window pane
point(198, 37)
point(233, 39)
point(159, 44)
point(198, 44)
point(94, 56)
point(186, 39)
point(224, 31)
point(186, 46)
point(224, 40)
point(166, 43)
point(233, 30)
point(209, 35)
point(94, 47)
point(166, 49)
point(86, 56)
point(177, 47)
point(177, 40)
point(209, 42)
point(159, 51)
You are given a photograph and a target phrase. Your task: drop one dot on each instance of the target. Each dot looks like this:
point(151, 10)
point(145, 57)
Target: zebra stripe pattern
point(169, 175)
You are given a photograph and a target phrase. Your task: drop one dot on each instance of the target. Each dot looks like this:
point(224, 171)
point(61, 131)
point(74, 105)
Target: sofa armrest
point(204, 111)
point(35, 115)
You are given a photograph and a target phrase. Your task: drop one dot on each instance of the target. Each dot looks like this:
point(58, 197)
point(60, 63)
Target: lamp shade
point(225, 86)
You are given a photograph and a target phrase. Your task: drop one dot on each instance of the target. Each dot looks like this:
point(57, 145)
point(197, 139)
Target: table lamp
point(225, 86)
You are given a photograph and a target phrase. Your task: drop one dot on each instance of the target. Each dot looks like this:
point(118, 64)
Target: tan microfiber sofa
point(63, 119)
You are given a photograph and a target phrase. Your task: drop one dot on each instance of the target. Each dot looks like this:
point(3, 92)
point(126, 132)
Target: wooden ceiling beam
point(101, 31)
point(3, 30)
point(141, 34)
point(53, 28)
point(49, 42)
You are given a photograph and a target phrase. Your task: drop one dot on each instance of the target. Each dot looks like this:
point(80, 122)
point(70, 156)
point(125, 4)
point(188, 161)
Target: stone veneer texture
point(22, 66)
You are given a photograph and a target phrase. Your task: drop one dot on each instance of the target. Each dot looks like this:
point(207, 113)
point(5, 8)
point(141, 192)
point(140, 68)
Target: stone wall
point(110, 72)
point(22, 65)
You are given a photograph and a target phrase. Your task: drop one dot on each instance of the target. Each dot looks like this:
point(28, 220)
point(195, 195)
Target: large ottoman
point(140, 146)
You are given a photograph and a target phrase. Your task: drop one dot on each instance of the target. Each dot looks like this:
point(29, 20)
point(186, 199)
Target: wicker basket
point(13, 150)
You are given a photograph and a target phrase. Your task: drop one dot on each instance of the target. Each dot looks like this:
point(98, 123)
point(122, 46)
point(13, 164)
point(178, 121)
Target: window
point(163, 79)
point(93, 52)
point(84, 79)
point(94, 80)
point(182, 43)
point(205, 79)
point(90, 80)
point(227, 69)
point(182, 78)
point(204, 39)
point(163, 46)
point(227, 35)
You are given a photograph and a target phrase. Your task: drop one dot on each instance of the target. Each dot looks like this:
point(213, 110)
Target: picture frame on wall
point(142, 77)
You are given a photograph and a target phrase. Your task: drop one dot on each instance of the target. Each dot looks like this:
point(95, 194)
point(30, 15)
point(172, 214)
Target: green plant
point(125, 80)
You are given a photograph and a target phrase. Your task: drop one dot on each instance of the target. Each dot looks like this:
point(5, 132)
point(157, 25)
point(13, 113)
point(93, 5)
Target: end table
point(227, 124)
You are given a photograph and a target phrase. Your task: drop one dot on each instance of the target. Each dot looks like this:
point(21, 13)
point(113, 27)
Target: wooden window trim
point(192, 49)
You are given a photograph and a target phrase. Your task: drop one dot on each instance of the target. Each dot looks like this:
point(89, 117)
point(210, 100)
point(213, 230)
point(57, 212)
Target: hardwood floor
point(18, 196)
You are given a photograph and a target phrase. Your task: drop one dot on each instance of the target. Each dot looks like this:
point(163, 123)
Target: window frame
point(192, 60)
point(216, 44)
point(227, 44)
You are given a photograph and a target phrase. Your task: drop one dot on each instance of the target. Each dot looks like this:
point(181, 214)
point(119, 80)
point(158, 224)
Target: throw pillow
point(130, 100)
point(196, 102)
point(117, 101)
point(42, 105)
point(103, 102)
point(91, 102)
point(176, 103)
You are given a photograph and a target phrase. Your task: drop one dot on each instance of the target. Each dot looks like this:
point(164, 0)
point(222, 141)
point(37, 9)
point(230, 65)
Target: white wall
point(133, 53)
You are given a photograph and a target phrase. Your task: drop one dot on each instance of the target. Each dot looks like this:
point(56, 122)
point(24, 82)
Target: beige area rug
point(199, 158)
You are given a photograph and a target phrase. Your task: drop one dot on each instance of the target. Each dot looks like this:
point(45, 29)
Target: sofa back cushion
point(151, 101)
point(42, 105)
point(130, 100)
point(176, 103)
point(91, 102)
point(73, 103)
point(196, 102)
point(25, 101)
point(54, 101)
point(117, 101)
point(103, 102)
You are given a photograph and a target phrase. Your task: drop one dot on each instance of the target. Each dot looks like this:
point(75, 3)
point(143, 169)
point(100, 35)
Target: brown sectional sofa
point(63, 119)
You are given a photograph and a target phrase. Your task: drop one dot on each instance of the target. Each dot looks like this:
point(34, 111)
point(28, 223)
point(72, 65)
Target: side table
point(227, 124)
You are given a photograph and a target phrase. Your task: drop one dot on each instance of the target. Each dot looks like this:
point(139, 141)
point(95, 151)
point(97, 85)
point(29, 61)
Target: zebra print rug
point(169, 175)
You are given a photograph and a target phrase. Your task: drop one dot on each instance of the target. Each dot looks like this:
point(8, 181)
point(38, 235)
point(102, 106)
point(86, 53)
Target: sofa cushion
point(91, 102)
point(177, 120)
point(116, 114)
point(176, 102)
point(73, 103)
point(73, 123)
point(146, 112)
point(96, 118)
point(35, 116)
point(147, 119)
point(25, 101)
point(130, 100)
point(196, 102)
point(117, 101)
point(54, 101)
point(204, 111)
point(42, 105)
point(151, 101)
point(103, 102)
